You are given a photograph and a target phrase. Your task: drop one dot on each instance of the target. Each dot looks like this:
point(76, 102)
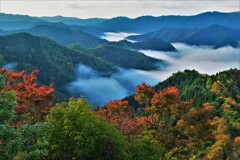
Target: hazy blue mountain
point(55, 62)
point(4, 25)
point(20, 22)
point(215, 35)
point(148, 44)
point(60, 32)
point(95, 31)
point(16, 18)
point(168, 34)
point(146, 24)
point(126, 58)
point(20, 25)
point(66, 35)
point(142, 24)
point(74, 20)
point(17, 22)
point(2, 32)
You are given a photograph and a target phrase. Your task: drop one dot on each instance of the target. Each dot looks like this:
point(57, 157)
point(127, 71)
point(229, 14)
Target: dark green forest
point(57, 63)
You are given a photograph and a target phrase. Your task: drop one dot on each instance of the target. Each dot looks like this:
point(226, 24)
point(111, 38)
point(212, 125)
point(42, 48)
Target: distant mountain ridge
point(168, 34)
point(63, 34)
point(142, 24)
point(146, 24)
point(16, 18)
point(74, 20)
point(147, 44)
point(214, 35)
point(66, 35)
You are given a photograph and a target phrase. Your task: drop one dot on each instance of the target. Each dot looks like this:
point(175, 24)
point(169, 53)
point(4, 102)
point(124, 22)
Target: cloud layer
point(203, 59)
point(99, 89)
point(113, 8)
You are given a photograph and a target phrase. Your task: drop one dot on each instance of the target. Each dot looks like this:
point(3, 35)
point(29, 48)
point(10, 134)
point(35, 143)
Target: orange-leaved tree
point(121, 114)
point(178, 125)
point(34, 102)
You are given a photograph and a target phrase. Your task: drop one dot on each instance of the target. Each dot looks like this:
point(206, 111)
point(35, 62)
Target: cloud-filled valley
point(99, 89)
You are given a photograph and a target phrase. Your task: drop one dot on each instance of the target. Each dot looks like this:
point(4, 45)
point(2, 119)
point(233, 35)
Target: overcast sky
point(113, 8)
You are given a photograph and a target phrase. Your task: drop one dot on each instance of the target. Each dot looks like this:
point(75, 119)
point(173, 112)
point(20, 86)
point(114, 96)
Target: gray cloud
point(113, 8)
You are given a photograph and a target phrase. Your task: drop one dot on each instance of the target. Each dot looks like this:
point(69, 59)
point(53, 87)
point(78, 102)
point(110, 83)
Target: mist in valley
point(116, 36)
point(99, 89)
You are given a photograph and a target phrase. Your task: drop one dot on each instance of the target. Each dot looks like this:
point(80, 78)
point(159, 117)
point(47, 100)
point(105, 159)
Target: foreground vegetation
point(172, 125)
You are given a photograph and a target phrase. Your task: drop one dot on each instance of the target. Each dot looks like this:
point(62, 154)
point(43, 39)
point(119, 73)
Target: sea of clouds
point(99, 89)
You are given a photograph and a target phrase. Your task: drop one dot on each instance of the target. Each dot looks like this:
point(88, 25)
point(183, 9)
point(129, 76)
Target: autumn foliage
point(144, 94)
point(167, 126)
point(33, 101)
point(121, 114)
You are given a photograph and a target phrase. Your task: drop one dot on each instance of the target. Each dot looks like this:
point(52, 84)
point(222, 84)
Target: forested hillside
point(189, 115)
point(170, 126)
point(67, 35)
point(147, 44)
point(196, 86)
point(55, 62)
point(127, 58)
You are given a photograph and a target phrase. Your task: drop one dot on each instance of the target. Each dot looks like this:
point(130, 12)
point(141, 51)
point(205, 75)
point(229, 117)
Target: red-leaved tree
point(34, 102)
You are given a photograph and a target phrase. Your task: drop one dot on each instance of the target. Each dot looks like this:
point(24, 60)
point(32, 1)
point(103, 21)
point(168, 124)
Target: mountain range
point(57, 63)
point(67, 35)
point(56, 45)
point(214, 35)
point(147, 44)
point(146, 24)
point(141, 24)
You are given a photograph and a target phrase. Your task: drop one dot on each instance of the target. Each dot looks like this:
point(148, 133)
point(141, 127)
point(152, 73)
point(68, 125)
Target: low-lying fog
point(116, 36)
point(99, 90)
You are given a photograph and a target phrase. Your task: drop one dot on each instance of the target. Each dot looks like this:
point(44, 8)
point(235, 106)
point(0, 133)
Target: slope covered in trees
point(148, 44)
point(196, 86)
point(167, 128)
point(67, 35)
point(126, 58)
point(56, 62)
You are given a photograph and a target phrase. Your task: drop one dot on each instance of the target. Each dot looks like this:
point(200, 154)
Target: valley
point(155, 86)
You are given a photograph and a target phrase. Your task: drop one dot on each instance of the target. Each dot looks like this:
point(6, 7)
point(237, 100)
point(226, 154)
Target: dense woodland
point(57, 63)
point(187, 116)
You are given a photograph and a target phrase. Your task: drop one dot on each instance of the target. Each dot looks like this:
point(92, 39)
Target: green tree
point(145, 147)
point(8, 135)
point(27, 142)
point(76, 132)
